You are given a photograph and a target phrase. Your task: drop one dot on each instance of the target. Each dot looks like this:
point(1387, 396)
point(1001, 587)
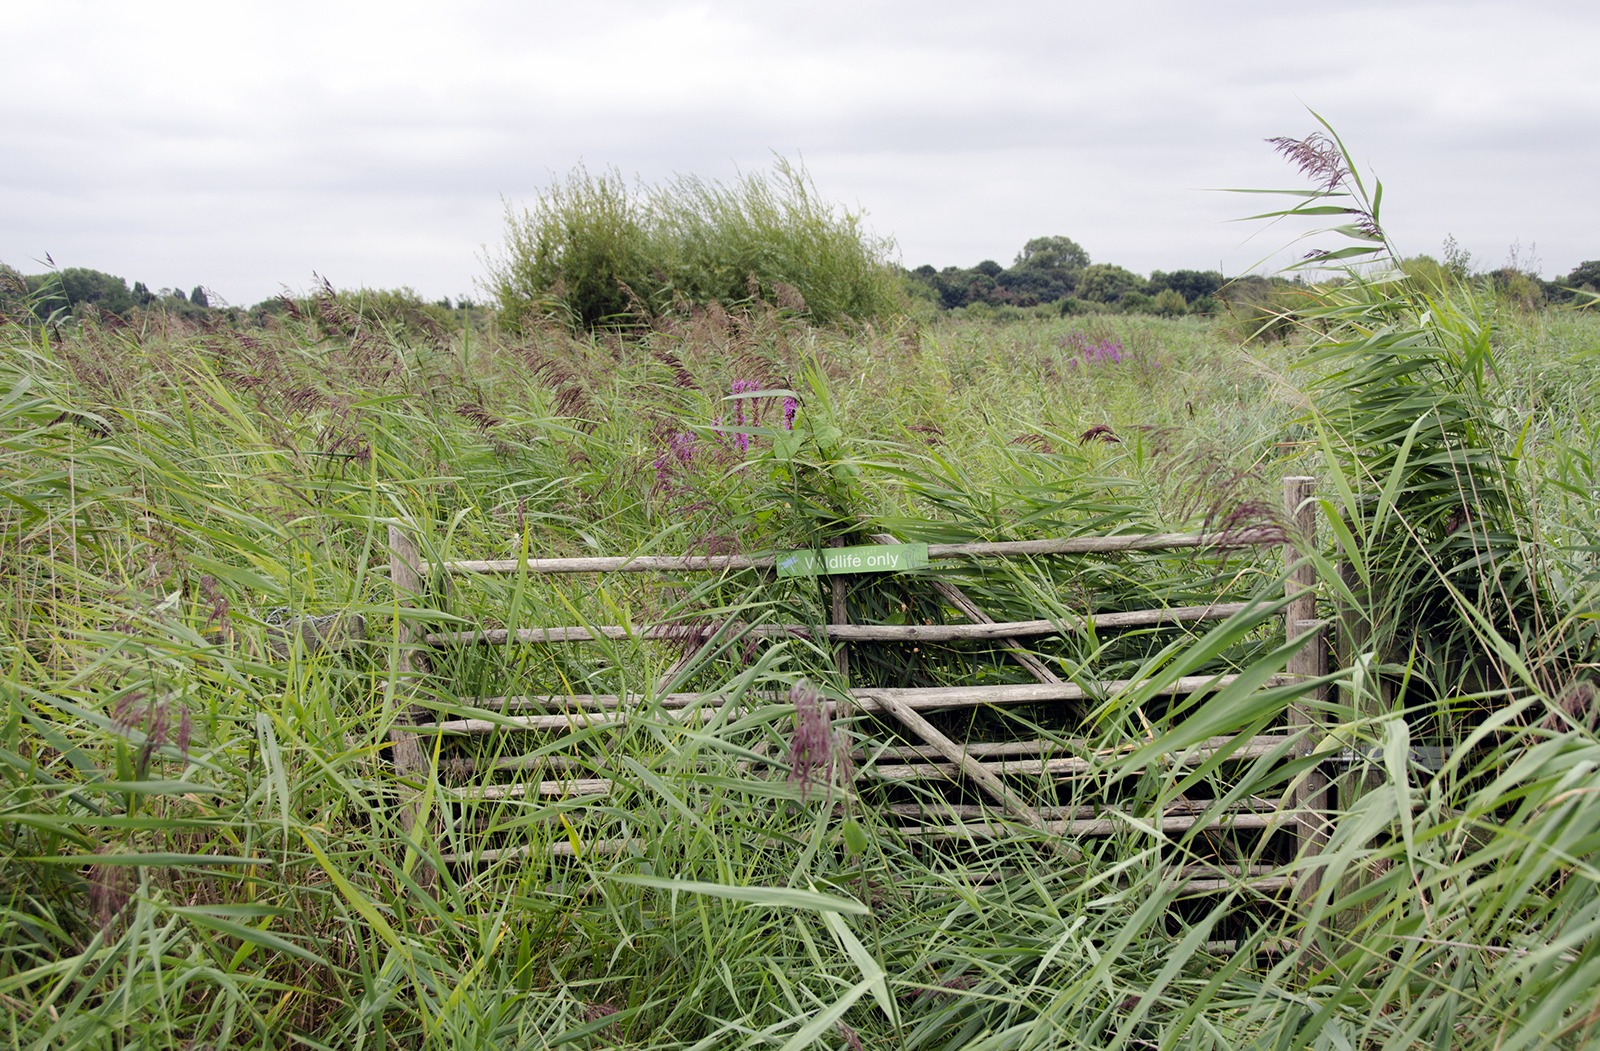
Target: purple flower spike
point(790, 407)
point(1081, 351)
point(745, 413)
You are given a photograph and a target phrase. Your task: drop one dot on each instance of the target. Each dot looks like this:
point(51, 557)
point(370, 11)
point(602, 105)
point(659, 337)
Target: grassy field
point(204, 840)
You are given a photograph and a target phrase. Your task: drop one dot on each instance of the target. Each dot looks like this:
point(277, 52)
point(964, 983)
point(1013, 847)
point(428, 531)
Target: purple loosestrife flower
point(1081, 351)
point(743, 417)
point(790, 407)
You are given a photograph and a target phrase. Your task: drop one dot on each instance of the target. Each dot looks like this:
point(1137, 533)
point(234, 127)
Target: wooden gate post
point(1300, 617)
point(405, 575)
point(840, 615)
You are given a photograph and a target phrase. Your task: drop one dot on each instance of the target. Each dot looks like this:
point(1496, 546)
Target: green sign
point(879, 558)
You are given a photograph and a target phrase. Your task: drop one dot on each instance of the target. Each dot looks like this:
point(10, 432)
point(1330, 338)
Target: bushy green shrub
point(1137, 303)
point(1260, 308)
point(594, 251)
point(1516, 288)
point(13, 291)
point(1107, 282)
point(1168, 302)
point(1428, 273)
point(578, 252)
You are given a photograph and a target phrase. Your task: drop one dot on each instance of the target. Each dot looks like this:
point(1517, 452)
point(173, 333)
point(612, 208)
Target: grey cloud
point(379, 152)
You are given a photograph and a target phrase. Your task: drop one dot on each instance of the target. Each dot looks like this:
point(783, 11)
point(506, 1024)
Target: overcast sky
point(244, 146)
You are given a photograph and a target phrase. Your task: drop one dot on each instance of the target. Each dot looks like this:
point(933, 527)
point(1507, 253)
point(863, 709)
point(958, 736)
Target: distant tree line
point(78, 291)
point(69, 290)
point(1050, 272)
point(1057, 272)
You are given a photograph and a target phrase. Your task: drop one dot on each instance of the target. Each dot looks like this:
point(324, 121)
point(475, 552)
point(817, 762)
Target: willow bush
point(594, 251)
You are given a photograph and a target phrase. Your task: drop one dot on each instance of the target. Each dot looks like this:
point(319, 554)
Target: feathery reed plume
point(218, 601)
point(480, 417)
point(815, 751)
point(571, 393)
point(1252, 520)
point(110, 890)
point(134, 711)
point(711, 544)
point(1576, 704)
point(679, 454)
point(680, 375)
point(1323, 160)
point(1036, 442)
point(1316, 156)
point(789, 297)
point(686, 636)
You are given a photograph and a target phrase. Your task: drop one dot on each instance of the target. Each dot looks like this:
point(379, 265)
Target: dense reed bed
point(205, 842)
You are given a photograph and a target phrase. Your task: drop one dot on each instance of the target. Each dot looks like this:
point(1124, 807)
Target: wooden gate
point(924, 753)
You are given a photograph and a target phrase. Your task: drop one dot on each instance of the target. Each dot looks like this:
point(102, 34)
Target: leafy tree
point(1190, 284)
point(198, 297)
point(1107, 283)
point(1047, 269)
point(951, 287)
point(1051, 253)
point(1168, 302)
point(1517, 288)
point(990, 268)
point(1585, 275)
point(75, 286)
point(1043, 285)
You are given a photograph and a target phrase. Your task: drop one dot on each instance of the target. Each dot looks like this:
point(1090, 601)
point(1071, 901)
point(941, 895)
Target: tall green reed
point(261, 886)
